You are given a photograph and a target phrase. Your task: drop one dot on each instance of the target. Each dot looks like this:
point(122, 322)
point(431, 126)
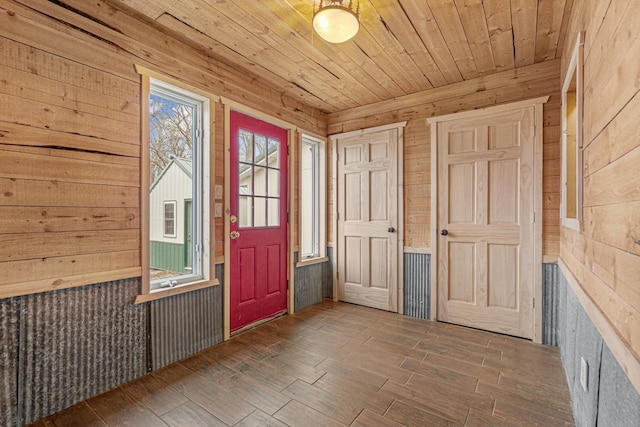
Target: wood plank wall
point(219, 180)
point(507, 86)
point(605, 256)
point(70, 137)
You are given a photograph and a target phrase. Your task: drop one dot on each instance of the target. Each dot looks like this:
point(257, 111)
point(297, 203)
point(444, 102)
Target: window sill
point(312, 261)
point(169, 292)
point(571, 223)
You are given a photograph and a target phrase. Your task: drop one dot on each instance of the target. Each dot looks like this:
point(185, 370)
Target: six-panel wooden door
point(368, 219)
point(485, 221)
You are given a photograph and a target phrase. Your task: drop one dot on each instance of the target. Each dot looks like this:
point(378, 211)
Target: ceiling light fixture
point(336, 21)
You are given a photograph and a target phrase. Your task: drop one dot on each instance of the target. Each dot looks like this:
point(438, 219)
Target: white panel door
point(485, 220)
point(368, 219)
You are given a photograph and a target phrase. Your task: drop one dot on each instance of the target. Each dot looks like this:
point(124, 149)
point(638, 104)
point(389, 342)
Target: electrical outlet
point(584, 374)
point(218, 210)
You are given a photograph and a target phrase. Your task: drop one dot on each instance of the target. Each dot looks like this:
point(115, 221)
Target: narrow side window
point(571, 120)
point(312, 198)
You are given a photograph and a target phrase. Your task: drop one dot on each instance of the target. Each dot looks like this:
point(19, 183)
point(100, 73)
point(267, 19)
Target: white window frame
point(200, 208)
point(206, 276)
point(164, 218)
point(320, 212)
point(575, 70)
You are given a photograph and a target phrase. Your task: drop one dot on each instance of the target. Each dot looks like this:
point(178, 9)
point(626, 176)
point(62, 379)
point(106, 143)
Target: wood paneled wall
point(219, 180)
point(604, 256)
point(70, 137)
point(551, 179)
point(508, 86)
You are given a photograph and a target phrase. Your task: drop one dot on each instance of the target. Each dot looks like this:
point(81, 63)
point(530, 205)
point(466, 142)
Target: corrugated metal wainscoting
point(327, 283)
point(550, 303)
point(75, 343)
point(417, 285)
point(610, 399)
point(9, 339)
point(310, 282)
point(186, 324)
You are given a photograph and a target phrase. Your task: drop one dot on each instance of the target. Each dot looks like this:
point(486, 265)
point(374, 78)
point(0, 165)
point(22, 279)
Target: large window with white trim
point(312, 199)
point(178, 207)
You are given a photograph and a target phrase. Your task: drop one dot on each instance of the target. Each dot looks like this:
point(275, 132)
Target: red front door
point(258, 220)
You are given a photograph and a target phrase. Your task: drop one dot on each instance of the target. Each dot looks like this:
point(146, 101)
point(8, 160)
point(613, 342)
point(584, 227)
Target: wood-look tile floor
point(336, 364)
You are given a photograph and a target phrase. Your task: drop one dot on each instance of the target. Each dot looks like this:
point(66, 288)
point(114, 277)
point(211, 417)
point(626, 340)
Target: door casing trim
point(537, 103)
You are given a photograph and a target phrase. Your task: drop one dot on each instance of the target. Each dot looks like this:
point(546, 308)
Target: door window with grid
point(258, 180)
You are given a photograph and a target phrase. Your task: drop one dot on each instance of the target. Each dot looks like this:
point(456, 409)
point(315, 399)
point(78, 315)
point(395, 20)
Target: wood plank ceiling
point(403, 46)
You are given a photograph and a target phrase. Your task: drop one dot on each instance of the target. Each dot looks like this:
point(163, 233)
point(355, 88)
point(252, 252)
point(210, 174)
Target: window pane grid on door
point(245, 179)
point(259, 180)
point(245, 147)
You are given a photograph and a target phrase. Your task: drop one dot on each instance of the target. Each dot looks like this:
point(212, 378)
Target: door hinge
point(533, 217)
point(338, 216)
point(534, 303)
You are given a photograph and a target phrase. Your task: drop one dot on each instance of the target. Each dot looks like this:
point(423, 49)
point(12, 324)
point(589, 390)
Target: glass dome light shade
point(335, 23)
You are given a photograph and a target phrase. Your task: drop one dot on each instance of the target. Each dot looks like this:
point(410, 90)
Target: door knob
point(443, 232)
point(234, 234)
point(391, 230)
